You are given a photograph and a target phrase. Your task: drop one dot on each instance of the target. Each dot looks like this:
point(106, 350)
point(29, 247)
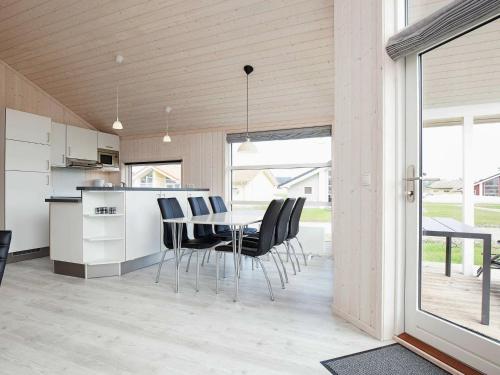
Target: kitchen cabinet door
point(143, 223)
point(26, 212)
point(26, 156)
point(81, 143)
point(58, 145)
point(27, 127)
point(108, 141)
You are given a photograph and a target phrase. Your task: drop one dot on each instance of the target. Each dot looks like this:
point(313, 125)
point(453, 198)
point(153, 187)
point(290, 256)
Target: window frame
point(130, 165)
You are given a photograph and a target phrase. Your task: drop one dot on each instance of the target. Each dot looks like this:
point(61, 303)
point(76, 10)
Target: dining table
point(237, 221)
point(450, 228)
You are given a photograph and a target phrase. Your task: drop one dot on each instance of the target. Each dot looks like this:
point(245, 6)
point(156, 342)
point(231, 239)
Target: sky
point(442, 151)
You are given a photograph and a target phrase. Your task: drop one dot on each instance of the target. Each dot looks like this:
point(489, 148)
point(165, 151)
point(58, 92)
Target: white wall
point(364, 143)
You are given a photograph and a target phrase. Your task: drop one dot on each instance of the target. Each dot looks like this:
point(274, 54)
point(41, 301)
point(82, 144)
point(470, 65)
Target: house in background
point(313, 184)
point(254, 185)
point(158, 176)
point(488, 187)
point(444, 186)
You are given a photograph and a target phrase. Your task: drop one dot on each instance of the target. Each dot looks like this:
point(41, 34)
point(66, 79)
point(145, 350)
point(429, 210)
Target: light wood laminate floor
point(52, 324)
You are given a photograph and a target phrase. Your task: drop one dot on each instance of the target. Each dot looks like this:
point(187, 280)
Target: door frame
point(471, 348)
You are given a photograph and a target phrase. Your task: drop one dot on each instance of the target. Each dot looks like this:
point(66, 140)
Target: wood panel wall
point(17, 92)
point(363, 293)
point(202, 155)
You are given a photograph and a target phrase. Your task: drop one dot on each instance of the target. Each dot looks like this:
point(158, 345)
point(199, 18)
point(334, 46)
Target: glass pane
point(157, 175)
point(295, 151)
point(418, 9)
point(460, 158)
point(258, 187)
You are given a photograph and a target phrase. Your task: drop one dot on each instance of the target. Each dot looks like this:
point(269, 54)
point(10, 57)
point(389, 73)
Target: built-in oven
point(108, 159)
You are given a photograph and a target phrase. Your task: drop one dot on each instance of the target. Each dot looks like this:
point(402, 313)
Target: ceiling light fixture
point(117, 125)
point(166, 137)
point(247, 147)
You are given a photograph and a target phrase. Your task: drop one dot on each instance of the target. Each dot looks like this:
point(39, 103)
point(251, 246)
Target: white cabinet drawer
point(25, 156)
point(58, 145)
point(81, 143)
point(108, 141)
point(26, 212)
point(27, 127)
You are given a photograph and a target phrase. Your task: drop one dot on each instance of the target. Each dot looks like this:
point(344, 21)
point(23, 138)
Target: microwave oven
point(108, 159)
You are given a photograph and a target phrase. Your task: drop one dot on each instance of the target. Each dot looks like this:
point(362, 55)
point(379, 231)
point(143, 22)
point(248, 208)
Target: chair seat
point(201, 243)
point(247, 248)
point(227, 235)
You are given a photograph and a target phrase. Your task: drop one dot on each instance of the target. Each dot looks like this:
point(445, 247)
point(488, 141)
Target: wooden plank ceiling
point(188, 54)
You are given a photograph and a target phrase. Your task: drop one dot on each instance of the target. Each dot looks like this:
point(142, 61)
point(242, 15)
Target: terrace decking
point(458, 298)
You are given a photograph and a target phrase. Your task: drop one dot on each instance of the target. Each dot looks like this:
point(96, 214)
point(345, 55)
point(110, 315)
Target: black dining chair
point(256, 249)
point(5, 238)
point(280, 236)
point(223, 231)
point(294, 227)
point(199, 207)
point(171, 209)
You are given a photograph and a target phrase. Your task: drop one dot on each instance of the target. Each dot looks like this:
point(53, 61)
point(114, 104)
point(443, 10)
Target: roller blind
point(284, 134)
point(444, 24)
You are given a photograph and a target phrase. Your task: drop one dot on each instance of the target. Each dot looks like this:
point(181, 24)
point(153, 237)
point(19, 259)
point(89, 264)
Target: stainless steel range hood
point(83, 164)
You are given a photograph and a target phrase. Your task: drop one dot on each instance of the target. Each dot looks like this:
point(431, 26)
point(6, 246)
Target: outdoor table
point(451, 228)
point(237, 222)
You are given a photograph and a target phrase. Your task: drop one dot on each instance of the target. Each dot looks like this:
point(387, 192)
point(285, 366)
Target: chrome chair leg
point(216, 273)
point(295, 255)
point(282, 264)
point(204, 256)
point(287, 246)
point(224, 266)
point(208, 256)
point(279, 271)
point(302, 250)
point(189, 261)
point(271, 295)
point(197, 269)
point(159, 266)
point(252, 264)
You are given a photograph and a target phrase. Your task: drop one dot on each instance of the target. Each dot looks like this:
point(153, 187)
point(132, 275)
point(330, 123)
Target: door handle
point(410, 182)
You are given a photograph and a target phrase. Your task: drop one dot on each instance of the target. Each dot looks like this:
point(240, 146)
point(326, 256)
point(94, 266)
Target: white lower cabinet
point(143, 224)
point(26, 212)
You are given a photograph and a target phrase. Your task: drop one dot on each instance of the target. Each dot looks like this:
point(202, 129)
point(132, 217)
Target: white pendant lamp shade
point(117, 125)
point(166, 137)
point(247, 147)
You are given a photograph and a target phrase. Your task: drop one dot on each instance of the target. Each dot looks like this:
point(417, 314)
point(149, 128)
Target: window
point(156, 175)
point(285, 168)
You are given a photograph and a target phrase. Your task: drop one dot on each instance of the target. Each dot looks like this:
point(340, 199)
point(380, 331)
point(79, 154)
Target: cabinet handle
point(48, 165)
point(62, 158)
point(48, 137)
point(69, 150)
point(48, 180)
point(109, 147)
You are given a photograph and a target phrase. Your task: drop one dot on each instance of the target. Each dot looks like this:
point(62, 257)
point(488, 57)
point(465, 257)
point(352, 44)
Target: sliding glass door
point(453, 197)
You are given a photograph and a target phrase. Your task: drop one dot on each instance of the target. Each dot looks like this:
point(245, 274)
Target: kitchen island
point(87, 243)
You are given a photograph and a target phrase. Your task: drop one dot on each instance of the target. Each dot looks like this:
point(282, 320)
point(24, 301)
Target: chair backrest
point(171, 209)
point(283, 221)
point(268, 226)
point(293, 227)
point(199, 207)
point(218, 206)
point(5, 237)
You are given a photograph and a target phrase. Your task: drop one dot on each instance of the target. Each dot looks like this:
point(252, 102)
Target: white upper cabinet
point(108, 141)
point(27, 127)
point(58, 145)
point(81, 143)
point(26, 156)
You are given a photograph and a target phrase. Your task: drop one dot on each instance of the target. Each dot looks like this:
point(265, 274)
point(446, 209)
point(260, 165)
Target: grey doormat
point(388, 360)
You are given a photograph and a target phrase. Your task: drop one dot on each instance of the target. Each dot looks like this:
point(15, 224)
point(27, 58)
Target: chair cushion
point(201, 243)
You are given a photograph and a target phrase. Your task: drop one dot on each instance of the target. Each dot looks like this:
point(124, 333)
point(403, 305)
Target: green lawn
point(317, 214)
point(483, 218)
point(435, 252)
